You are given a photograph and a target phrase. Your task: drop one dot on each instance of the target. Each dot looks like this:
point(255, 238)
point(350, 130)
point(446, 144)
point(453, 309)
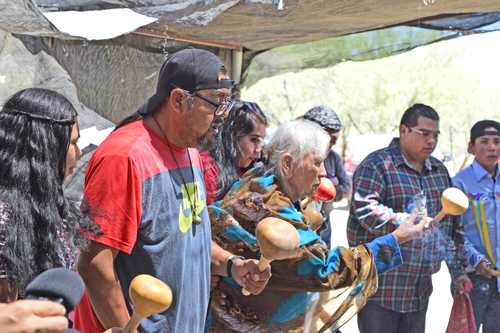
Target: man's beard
point(205, 142)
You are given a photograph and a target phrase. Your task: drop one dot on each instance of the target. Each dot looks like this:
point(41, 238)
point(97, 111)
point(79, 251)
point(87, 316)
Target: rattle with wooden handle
point(277, 239)
point(453, 202)
point(149, 296)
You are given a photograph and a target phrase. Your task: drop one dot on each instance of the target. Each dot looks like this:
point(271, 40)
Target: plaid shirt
point(385, 186)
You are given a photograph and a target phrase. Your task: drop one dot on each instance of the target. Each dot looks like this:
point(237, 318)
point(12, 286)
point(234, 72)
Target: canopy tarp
point(256, 24)
point(303, 34)
point(363, 46)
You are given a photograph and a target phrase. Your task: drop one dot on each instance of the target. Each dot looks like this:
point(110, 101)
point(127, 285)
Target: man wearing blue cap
point(144, 188)
point(481, 182)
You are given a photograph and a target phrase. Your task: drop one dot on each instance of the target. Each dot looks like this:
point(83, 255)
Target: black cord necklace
point(192, 203)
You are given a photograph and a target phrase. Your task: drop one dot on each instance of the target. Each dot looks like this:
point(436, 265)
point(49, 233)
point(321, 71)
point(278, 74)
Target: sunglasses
point(220, 109)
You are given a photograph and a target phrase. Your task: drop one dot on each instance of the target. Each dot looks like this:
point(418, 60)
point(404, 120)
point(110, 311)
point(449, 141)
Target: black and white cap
point(325, 117)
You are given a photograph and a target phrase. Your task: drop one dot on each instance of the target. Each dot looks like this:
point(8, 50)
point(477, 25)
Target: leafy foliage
point(460, 78)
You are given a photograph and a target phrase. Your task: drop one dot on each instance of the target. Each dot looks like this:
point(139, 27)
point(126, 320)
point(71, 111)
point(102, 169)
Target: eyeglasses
point(221, 108)
point(427, 134)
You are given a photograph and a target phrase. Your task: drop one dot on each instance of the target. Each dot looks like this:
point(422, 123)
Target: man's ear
point(286, 165)
point(177, 98)
point(470, 148)
point(402, 130)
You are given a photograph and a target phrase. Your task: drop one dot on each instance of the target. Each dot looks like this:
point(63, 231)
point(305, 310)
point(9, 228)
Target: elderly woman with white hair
point(346, 276)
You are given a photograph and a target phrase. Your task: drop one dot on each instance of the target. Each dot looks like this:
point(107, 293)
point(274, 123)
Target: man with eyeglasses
point(388, 185)
point(334, 166)
point(144, 188)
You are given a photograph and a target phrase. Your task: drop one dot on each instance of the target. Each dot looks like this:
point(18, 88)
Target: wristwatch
point(229, 263)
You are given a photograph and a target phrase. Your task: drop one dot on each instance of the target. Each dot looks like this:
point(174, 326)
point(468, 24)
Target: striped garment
point(384, 190)
point(482, 220)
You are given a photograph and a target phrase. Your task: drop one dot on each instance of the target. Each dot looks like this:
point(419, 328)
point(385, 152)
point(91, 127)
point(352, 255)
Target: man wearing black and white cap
point(481, 182)
point(334, 166)
point(144, 188)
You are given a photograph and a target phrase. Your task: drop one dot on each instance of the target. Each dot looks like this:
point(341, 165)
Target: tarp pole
point(237, 64)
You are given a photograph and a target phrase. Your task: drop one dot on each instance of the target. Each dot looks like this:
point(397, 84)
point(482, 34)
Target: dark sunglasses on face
point(220, 109)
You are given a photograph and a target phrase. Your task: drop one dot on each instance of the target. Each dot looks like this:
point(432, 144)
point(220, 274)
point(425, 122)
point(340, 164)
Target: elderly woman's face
point(306, 175)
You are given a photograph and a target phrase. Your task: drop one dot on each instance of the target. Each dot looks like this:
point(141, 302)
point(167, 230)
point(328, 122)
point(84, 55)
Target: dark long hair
point(35, 134)
point(226, 152)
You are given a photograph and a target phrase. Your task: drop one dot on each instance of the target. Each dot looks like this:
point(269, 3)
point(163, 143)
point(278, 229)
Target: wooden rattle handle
point(306, 203)
point(263, 265)
point(132, 324)
point(440, 216)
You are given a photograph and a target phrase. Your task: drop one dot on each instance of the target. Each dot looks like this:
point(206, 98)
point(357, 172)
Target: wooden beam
point(174, 36)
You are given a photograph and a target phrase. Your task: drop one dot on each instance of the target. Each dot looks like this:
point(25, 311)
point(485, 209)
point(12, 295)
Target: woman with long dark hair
point(39, 227)
point(239, 143)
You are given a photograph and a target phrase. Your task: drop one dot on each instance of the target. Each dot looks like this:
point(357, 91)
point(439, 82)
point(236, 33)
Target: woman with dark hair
point(39, 227)
point(238, 144)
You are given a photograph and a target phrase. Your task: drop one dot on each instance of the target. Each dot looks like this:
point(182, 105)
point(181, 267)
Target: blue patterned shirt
point(482, 220)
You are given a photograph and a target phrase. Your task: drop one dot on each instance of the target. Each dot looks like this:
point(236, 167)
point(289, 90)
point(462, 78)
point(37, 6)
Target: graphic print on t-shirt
point(189, 192)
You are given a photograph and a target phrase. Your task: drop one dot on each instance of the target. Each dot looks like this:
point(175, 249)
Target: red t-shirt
point(210, 173)
point(143, 200)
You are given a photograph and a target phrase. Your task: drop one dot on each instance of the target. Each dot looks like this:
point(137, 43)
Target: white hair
point(297, 138)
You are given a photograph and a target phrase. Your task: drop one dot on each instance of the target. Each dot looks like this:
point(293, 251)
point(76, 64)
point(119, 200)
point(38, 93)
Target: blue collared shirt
point(482, 220)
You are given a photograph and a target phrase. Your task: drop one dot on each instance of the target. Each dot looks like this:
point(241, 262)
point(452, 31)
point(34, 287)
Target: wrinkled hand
point(408, 230)
point(30, 316)
point(462, 284)
point(247, 274)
